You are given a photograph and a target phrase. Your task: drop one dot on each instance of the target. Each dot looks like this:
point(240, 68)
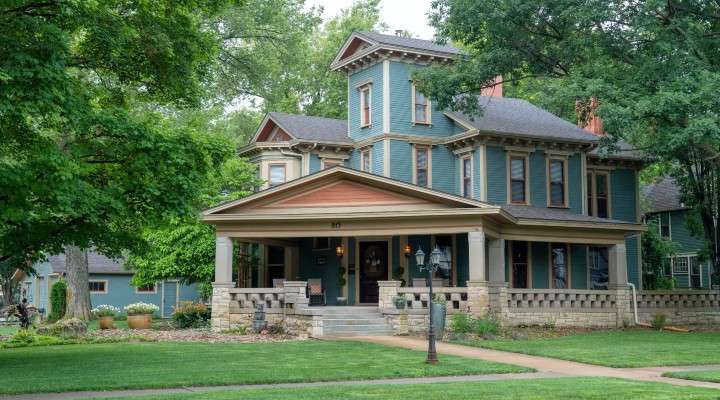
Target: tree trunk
point(78, 304)
point(7, 291)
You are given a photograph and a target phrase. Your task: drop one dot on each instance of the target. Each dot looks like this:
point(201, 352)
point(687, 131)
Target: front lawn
point(536, 389)
point(165, 364)
point(620, 348)
point(709, 375)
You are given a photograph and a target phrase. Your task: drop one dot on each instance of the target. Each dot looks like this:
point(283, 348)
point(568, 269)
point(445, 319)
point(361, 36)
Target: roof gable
point(282, 127)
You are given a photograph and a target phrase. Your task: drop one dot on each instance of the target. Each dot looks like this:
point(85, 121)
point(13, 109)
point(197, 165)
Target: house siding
point(575, 197)
point(444, 171)
point(329, 272)
point(632, 248)
point(496, 174)
point(538, 184)
point(578, 266)
point(315, 164)
point(372, 74)
point(540, 265)
point(401, 155)
point(463, 262)
point(477, 171)
point(623, 195)
point(378, 157)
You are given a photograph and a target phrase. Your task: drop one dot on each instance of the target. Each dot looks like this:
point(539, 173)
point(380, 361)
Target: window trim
point(154, 291)
point(511, 278)
point(592, 192)
point(366, 154)
point(468, 156)
point(548, 176)
point(366, 88)
point(526, 160)
point(428, 108)
point(105, 282)
point(428, 149)
point(568, 266)
point(269, 173)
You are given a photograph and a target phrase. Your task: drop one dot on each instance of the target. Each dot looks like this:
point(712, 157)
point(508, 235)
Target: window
point(680, 265)
point(277, 174)
point(98, 286)
point(556, 181)
point(275, 265)
point(664, 226)
point(519, 260)
point(365, 160)
point(421, 107)
point(559, 262)
point(330, 163)
point(149, 289)
point(321, 243)
point(687, 270)
point(365, 115)
point(598, 265)
point(466, 176)
point(518, 179)
point(598, 194)
point(422, 166)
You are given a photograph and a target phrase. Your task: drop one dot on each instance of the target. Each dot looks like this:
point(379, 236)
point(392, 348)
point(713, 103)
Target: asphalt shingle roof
point(97, 264)
point(555, 214)
point(519, 117)
point(313, 128)
point(411, 43)
point(662, 196)
point(624, 151)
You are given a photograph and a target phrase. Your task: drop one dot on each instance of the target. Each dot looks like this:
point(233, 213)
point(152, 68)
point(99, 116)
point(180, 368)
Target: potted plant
point(439, 310)
point(140, 315)
point(400, 302)
point(106, 315)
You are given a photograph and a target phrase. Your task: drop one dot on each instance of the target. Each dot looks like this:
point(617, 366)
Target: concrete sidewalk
point(544, 364)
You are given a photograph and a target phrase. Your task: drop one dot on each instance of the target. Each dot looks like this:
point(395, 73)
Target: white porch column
point(617, 266)
point(496, 256)
point(476, 256)
point(220, 318)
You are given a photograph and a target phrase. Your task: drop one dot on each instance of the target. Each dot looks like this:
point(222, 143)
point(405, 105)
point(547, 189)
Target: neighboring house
point(664, 207)
point(109, 284)
point(516, 197)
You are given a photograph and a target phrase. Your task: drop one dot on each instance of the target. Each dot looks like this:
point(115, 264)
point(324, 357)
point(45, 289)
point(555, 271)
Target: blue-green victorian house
point(528, 215)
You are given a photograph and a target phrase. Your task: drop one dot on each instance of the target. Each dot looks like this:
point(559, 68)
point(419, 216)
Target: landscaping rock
point(519, 336)
point(66, 328)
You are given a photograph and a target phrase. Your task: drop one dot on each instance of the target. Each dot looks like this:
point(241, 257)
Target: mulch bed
point(187, 335)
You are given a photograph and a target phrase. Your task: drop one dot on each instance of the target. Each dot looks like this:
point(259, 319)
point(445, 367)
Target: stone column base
point(478, 298)
point(220, 317)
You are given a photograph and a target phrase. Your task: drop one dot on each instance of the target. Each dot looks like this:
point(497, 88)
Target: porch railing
point(521, 300)
point(674, 299)
point(417, 298)
point(292, 296)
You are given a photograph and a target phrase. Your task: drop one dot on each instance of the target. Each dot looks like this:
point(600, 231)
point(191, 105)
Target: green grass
point(536, 389)
point(629, 348)
point(154, 365)
point(709, 375)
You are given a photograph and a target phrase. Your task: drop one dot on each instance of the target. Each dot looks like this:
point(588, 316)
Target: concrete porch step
point(330, 322)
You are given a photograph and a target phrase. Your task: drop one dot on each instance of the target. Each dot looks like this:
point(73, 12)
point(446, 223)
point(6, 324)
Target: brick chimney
point(495, 90)
point(587, 119)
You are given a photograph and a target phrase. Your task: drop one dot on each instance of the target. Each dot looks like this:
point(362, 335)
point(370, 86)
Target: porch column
point(478, 294)
point(617, 282)
point(220, 318)
point(497, 287)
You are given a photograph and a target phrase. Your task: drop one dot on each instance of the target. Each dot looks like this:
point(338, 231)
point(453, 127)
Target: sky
point(410, 15)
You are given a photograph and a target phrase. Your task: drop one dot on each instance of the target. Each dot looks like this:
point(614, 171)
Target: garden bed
point(188, 335)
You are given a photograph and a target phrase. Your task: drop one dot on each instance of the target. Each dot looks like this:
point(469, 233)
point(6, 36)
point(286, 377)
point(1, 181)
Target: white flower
point(105, 310)
point(141, 308)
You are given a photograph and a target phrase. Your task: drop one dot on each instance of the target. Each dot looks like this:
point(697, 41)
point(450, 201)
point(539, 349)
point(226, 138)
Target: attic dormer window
point(421, 107)
point(365, 111)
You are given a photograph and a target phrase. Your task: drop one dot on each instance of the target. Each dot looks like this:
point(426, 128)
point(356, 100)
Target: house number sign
point(335, 225)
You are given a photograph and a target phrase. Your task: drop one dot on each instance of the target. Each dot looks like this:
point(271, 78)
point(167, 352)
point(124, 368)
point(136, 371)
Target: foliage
point(659, 320)
point(462, 323)
point(238, 330)
point(8, 285)
point(65, 328)
point(439, 298)
point(654, 66)
point(105, 310)
point(58, 300)
point(24, 336)
point(487, 325)
point(656, 252)
point(191, 315)
point(141, 308)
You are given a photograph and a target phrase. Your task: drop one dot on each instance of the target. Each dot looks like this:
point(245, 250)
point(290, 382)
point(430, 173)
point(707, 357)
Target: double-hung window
point(98, 286)
point(518, 179)
point(276, 175)
point(557, 186)
point(560, 268)
point(365, 160)
point(421, 107)
point(598, 183)
point(365, 106)
point(422, 166)
point(466, 176)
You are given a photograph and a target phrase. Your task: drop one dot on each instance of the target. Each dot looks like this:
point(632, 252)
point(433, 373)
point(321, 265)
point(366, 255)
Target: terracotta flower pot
point(142, 321)
point(107, 322)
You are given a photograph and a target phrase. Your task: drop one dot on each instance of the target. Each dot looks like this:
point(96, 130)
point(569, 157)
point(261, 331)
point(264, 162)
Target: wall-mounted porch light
point(407, 250)
point(339, 251)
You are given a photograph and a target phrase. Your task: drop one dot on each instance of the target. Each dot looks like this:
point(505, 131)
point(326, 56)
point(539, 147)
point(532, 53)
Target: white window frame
point(468, 156)
point(428, 149)
point(428, 108)
point(105, 282)
point(366, 154)
point(564, 162)
point(269, 173)
point(154, 291)
point(365, 91)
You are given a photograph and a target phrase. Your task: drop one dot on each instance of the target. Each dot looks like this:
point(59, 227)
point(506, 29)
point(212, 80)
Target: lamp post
point(433, 266)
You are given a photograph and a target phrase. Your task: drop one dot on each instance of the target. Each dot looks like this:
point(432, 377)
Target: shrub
point(659, 321)
point(191, 315)
point(486, 325)
point(24, 336)
point(238, 330)
point(461, 323)
point(58, 300)
point(141, 308)
point(105, 310)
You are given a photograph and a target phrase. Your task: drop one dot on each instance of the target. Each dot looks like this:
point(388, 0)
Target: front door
point(373, 268)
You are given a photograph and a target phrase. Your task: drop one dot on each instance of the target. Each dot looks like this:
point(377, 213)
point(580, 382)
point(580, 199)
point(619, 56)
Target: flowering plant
point(141, 308)
point(105, 310)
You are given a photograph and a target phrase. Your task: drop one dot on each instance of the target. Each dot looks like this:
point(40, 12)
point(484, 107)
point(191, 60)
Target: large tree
point(654, 65)
point(87, 156)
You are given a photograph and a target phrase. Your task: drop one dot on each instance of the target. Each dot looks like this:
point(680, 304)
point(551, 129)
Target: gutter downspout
point(635, 313)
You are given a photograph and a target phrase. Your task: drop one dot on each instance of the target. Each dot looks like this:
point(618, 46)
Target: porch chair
point(316, 290)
